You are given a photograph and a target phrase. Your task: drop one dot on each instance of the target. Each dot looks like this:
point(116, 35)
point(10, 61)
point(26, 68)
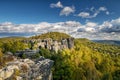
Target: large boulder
point(29, 70)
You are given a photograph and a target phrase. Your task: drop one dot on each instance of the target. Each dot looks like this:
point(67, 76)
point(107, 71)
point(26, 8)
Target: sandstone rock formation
point(29, 70)
point(51, 44)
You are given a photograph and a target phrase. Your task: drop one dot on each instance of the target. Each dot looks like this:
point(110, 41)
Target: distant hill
point(12, 38)
point(53, 35)
point(113, 42)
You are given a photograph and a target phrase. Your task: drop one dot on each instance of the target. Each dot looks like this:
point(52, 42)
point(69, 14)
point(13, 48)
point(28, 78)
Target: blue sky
point(34, 11)
point(93, 16)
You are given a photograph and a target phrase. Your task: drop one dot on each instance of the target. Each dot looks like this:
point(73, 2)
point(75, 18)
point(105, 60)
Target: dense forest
point(87, 60)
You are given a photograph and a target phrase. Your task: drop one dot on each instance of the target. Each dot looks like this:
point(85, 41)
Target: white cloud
point(67, 10)
point(110, 26)
point(88, 15)
point(91, 24)
point(90, 30)
point(84, 14)
point(116, 21)
point(107, 12)
point(57, 5)
point(102, 9)
point(89, 27)
point(92, 8)
point(94, 12)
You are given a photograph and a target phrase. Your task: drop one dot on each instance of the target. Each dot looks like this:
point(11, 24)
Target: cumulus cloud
point(91, 24)
point(89, 27)
point(57, 5)
point(102, 9)
point(94, 11)
point(111, 27)
point(84, 14)
point(116, 22)
point(90, 13)
point(67, 10)
point(87, 14)
point(90, 30)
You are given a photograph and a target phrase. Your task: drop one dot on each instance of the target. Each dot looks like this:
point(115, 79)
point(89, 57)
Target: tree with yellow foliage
point(1, 59)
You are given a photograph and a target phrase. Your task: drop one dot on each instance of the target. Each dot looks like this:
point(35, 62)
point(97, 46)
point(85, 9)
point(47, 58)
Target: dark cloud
point(81, 30)
point(111, 29)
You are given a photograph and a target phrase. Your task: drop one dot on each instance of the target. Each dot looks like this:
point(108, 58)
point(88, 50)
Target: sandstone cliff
point(26, 69)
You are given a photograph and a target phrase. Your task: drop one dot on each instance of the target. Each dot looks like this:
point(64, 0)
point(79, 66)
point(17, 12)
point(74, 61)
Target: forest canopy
point(87, 60)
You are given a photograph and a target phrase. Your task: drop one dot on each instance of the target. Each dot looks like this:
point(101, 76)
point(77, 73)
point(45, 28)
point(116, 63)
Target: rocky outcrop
point(28, 52)
point(41, 70)
point(51, 44)
point(29, 70)
point(7, 72)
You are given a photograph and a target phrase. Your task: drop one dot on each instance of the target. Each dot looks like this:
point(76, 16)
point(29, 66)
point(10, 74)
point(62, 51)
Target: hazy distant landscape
point(112, 42)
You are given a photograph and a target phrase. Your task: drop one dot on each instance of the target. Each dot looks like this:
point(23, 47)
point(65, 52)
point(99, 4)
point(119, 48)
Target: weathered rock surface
point(29, 70)
point(51, 44)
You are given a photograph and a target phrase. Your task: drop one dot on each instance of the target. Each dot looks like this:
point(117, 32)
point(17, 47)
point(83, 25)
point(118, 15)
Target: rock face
point(39, 69)
point(70, 42)
point(7, 72)
point(51, 44)
point(27, 52)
